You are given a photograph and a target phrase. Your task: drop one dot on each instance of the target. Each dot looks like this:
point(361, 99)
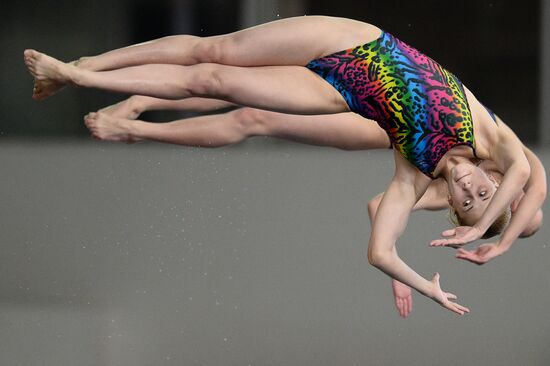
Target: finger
point(466, 255)
point(463, 256)
point(448, 233)
point(436, 277)
point(461, 308)
point(464, 252)
point(405, 308)
point(438, 242)
point(451, 296)
point(443, 242)
point(452, 306)
point(400, 308)
point(409, 305)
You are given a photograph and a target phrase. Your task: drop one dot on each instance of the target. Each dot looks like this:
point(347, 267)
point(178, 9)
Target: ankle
point(77, 76)
point(136, 129)
point(82, 63)
point(137, 104)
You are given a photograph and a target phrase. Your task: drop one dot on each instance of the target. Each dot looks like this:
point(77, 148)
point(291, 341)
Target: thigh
point(286, 89)
point(347, 131)
point(293, 41)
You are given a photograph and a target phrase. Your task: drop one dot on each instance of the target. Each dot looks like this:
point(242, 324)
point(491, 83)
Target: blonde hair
point(498, 226)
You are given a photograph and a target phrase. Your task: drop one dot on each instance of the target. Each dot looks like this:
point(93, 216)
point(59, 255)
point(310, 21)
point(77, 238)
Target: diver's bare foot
point(128, 109)
point(47, 69)
point(46, 88)
point(108, 128)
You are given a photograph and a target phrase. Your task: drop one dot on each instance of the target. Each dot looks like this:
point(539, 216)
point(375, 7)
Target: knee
point(250, 121)
point(205, 80)
point(212, 49)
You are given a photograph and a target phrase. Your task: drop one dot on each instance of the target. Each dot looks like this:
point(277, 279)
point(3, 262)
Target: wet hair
point(498, 226)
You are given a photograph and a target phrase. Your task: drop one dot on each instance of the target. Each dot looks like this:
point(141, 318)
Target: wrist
point(502, 248)
point(430, 290)
point(482, 228)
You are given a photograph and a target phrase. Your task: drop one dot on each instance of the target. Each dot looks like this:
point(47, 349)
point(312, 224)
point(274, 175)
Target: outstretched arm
point(435, 198)
point(406, 188)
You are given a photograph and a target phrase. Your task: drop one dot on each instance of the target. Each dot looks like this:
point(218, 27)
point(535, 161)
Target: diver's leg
point(346, 131)
point(291, 41)
point(289, 89)
point(132, 107)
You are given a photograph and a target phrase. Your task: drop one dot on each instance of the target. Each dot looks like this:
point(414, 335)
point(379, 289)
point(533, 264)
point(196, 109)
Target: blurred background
point(495, 47)
point(253, 254)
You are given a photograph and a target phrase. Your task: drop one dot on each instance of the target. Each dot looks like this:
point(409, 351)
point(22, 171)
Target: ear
point(450, 200)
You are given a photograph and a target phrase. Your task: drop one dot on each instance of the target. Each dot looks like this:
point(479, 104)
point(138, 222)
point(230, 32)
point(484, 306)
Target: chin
point(461, 170)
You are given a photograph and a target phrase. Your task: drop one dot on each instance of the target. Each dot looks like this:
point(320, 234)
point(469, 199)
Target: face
point(471, 190)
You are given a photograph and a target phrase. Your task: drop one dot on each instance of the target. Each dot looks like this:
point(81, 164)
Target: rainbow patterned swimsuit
point(421, 106)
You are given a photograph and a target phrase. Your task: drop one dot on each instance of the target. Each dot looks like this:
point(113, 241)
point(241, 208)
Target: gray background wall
point(254, 254)
point(249, 255)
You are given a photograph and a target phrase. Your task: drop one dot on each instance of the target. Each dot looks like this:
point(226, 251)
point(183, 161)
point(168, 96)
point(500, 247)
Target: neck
point(455, 156)
point(448, 162)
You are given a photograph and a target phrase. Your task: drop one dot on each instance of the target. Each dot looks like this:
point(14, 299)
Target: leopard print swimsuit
point(421, 106)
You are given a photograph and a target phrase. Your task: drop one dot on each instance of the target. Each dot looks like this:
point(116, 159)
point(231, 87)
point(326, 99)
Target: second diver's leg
point(346, 131)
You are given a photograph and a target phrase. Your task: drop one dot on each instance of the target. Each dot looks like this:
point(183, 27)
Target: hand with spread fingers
point(481, 255)
point(457, 237)
point(443, 298)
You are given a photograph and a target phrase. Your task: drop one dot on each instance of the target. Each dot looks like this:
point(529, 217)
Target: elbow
point(523, 173)
point(538, 194)
point(541, 195)
point(377, 258)
point(371, 259)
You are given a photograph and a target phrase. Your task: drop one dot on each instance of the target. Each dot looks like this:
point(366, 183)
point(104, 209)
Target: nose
point(466, 183)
